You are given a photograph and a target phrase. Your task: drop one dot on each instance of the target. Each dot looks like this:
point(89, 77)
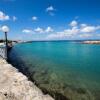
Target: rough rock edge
point(16, 86)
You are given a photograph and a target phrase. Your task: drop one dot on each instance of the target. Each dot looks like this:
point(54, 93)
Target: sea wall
point(16, 86)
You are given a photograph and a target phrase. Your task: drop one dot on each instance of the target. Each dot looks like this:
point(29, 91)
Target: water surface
point(67, 68)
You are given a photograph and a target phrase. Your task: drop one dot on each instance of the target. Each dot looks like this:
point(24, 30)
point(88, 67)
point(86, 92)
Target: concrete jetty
point(16, 86)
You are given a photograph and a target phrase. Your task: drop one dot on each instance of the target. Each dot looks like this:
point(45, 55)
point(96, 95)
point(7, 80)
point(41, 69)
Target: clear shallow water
point(68, 68)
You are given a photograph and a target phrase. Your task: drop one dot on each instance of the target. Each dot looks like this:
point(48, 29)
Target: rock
point(16, 86)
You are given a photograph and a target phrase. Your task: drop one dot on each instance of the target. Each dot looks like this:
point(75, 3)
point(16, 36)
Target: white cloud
point(39, 30)
point(72, 31)
point(89, 29)
point(76, 31)
point(27, 31)
point(79, 31)
point(4, 17)
point(14, 18)
point(86, 35)
point(50, 8)
point(49, 29)
point(34, 18)
point(63, 34)
point(60, 35)
point(55, 36)
point(83, 25)
point(73, 23)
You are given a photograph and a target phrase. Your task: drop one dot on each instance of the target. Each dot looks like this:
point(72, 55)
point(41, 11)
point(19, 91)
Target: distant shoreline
point(91, 42)
point(55, 41)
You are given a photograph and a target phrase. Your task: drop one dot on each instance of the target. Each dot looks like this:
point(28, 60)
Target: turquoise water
point(69, 68)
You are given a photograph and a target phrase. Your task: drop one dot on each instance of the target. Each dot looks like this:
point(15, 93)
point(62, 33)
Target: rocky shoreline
point(91, 42)
point(16, 86)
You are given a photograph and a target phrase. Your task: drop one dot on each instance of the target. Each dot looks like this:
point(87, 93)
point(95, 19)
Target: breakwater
point(16, 86)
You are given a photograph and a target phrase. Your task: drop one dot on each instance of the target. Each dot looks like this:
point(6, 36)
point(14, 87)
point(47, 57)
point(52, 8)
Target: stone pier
point(16, 86)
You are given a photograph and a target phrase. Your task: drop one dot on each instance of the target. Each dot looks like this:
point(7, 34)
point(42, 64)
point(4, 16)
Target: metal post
point(6, 49)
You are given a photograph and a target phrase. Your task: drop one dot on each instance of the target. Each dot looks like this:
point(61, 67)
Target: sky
point(50, 19)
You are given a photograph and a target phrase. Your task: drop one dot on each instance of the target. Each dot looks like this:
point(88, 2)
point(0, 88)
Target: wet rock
point(81, 91)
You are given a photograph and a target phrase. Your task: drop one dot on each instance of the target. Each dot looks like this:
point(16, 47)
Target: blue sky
point(50, 19)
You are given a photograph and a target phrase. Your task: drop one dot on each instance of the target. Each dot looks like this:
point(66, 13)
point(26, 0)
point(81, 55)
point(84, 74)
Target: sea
point(67, 70)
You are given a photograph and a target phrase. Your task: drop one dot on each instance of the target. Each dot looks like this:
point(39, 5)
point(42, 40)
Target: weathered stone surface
point(16, 86)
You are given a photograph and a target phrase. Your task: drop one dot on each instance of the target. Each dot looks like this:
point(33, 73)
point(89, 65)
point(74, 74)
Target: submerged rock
point(62, 91)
